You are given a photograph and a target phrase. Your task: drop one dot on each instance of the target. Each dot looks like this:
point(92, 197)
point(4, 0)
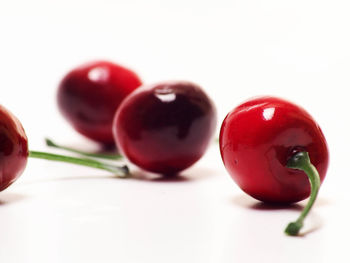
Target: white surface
point(235, 49)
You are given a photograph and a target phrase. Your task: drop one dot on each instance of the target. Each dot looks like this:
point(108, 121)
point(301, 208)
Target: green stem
point(301, 161)
point(96, 155)
point(120, 171)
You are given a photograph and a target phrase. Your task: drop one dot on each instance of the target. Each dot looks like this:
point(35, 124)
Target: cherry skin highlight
point(165, 128)
point(258, 138)
point(13, 148)
point(89, 95)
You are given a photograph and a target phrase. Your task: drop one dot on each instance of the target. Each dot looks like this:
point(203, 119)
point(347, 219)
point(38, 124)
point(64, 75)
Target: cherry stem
point(301, 161)
point(50, 143)
point(120, 171)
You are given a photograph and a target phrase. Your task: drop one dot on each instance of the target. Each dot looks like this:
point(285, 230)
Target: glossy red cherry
point(165, 128)
point(256, 140)
point(13, 148)
point(260, 138)
point(89, 96)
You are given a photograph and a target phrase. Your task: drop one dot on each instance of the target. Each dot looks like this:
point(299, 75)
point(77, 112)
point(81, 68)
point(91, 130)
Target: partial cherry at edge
point(14, 153)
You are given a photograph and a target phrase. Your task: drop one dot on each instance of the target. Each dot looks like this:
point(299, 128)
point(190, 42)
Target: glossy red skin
point(256, 140)
point(13, 148)
point(89, 96)
point(165, 128)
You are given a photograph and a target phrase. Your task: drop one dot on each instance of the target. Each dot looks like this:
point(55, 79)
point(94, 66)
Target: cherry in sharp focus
point(89, 95)
point(165, 128)
point(275, 151)
point(14, 152)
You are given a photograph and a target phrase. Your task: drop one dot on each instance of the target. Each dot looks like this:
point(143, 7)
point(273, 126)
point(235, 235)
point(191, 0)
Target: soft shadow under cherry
point(110, 148)
point(266, 206)
point(150, 177)
point(250, 203)
point(8, 198)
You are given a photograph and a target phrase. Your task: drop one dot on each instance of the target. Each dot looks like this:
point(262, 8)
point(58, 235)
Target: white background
point(235, 49)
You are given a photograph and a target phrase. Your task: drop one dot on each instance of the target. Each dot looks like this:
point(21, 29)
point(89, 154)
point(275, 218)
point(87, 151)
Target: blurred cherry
point(89, 95)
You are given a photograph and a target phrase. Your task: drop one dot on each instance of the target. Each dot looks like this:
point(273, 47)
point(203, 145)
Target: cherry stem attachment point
point(50, 143)
point(301, 161)
point(119, 171)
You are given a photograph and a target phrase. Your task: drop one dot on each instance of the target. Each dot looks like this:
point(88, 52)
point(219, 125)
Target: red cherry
point(257, 139)
point(89, 96)
point(165, 128)
point(275, 152)
point(13, 148)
